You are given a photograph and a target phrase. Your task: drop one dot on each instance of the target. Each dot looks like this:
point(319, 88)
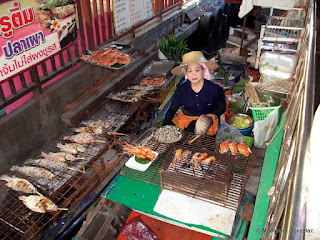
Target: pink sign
point(33, 30)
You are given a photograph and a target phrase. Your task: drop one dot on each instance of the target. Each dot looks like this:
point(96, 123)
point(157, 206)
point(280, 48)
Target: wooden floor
point(166, 231)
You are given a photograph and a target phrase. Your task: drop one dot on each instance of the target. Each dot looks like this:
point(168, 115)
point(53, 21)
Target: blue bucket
point(243, 131)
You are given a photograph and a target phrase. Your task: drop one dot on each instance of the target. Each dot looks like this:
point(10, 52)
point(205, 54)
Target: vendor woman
point(197, 95)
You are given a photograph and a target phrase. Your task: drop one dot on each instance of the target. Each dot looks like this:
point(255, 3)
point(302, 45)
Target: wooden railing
point(95, 28)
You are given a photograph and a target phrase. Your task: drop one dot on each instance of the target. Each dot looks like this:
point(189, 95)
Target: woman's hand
point(213, 116)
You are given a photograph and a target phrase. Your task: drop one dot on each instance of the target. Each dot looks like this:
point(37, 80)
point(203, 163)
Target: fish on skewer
point(47, 163)
point(96, 124)
point(81, 138)
point(60, 156)
point(72, 148)
point(39, 204)
point(34, 172)
point(19, 184)
point(53, 156)
point(91, 130)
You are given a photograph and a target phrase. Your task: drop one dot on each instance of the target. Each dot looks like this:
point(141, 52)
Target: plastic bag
point(136, 229)
point(264, 129)
point(230, 133)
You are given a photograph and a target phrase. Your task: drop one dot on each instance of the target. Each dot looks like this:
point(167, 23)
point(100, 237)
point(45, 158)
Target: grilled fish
point(59, 156)
point(19, 184)
point(34, 172)
point(53, 156)
point(39, 204)
point(81, 138)
point(96, 124)
point(203, 123)
point(91, 130)
point(47, 163)
point(72, 148)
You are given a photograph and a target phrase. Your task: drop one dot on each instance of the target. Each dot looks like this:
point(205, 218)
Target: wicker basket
point(260, 113)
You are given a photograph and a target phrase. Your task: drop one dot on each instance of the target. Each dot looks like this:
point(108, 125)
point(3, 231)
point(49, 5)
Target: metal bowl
point(243, 116)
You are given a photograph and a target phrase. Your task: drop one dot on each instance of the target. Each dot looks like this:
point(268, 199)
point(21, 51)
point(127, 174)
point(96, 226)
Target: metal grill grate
point(71, 187)
point(151, 175)
point(221, 183)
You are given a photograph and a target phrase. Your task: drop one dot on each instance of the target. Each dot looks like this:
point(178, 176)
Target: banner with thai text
point(127, 13)
point(33, 30)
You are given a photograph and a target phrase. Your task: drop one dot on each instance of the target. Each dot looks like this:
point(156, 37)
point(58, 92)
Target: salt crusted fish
point(72, 148)
point(202, 124)
point(81, 138)
point(47, 163)
point(39, 204)
point(34, 172)
point(19, 184)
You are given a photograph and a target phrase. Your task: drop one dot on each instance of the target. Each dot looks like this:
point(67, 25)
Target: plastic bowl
point(243, 131)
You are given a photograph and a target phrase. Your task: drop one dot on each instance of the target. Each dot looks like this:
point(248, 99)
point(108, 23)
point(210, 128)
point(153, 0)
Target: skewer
point(115, 133)
point(100, 141)
point(196, 137)
point(12, 226)
point(63, 209)
point(39, 193)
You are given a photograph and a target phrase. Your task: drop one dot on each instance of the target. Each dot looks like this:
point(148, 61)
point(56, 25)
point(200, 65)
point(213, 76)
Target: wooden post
point(110, 22)
point(86, 11)
point(81, 28)
point(103, 23)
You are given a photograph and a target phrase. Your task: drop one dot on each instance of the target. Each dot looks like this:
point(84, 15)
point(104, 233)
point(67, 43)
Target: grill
point(71, 187)
point(221, 182)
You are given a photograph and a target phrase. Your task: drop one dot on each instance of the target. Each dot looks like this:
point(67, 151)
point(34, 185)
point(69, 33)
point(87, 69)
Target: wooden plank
point(23, 80)
point(62, 64)
point(96, 22)
point(69, 54)
point(86, 11)
point(12, 87)
point(35, 78)
point(20, 93)
point(44, 68)
point(53, 64)
point(76, 49)
point(81, 28)
point(103, 21)
point(2, 97)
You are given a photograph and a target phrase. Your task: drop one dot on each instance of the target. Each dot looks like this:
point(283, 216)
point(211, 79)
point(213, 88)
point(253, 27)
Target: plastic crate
point(262, 112)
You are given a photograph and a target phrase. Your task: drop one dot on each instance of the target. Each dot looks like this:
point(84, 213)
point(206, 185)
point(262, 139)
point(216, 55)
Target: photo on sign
point(33, 30)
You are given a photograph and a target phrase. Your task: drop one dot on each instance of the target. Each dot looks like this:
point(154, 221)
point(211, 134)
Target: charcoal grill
point(221, 183)
point(71, 187)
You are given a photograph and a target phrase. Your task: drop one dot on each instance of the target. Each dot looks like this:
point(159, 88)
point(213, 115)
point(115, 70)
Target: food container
point(122, 47)
point(247, 121)
point(158, 68)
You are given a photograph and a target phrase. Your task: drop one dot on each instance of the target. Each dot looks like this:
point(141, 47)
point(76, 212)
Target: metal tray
point(125, 47)
point(158, 68)
point(114, 67)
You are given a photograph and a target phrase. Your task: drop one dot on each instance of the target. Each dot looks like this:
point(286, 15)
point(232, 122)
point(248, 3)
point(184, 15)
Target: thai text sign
point(127, 13)
point(33, 30)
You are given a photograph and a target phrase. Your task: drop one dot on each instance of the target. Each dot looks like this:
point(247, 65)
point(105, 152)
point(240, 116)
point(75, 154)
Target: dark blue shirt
point(205, 101)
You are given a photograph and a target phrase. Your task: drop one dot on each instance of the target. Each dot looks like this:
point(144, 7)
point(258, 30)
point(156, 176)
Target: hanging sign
point(128, 13)
point(33, 30)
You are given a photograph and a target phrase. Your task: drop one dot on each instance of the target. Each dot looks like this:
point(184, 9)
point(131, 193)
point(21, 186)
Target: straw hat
point(190, 58)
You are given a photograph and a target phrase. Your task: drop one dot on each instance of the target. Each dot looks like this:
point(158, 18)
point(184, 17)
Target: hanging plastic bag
point(136, 229)
point(264, 129)
point(230, 133)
